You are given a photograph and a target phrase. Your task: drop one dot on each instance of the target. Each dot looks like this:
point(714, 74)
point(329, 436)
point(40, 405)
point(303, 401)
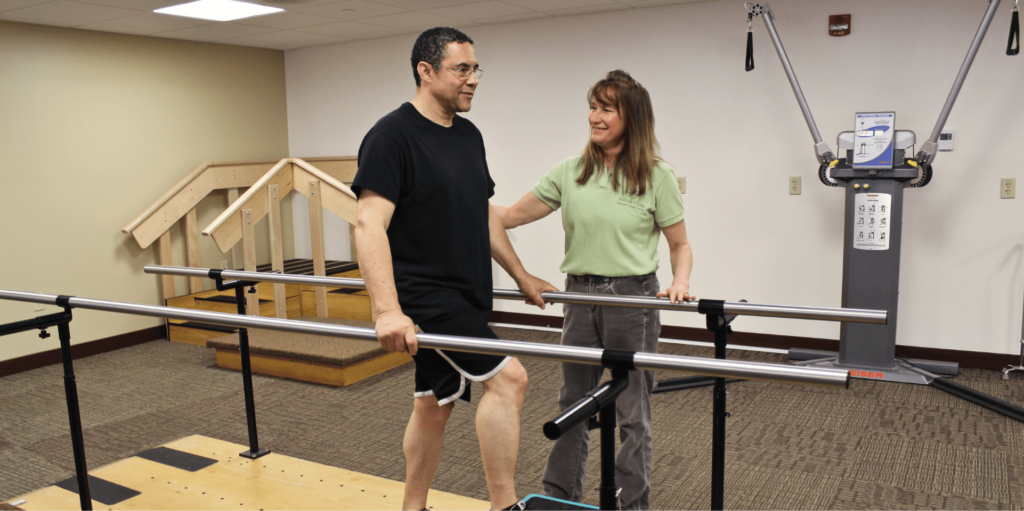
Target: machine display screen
point(873, 143)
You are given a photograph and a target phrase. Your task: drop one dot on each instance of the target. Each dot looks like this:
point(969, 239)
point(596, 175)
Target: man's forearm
point(375, 265)
point(501, 249)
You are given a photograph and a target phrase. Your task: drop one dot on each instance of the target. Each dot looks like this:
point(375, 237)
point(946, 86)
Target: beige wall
point(737, 137)
point(94, 127)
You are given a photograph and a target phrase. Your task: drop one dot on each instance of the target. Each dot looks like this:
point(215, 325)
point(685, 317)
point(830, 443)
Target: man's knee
point(511, 380)
point(428, 414)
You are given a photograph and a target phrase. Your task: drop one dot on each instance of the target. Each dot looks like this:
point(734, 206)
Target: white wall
point(737, 136)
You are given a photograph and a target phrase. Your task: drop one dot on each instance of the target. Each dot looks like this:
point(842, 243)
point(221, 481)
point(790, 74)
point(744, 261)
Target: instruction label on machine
point(871, 221)
point(872, 141)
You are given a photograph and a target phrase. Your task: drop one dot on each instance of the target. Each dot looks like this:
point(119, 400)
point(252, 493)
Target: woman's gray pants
point(618, 328)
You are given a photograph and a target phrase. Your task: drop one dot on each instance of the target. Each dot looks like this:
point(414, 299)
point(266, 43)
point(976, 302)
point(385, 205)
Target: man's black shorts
point(444, 374)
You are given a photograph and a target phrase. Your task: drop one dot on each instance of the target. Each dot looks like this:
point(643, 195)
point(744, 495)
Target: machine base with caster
point(902, 370)
point(1011, 368)
point(918, 372)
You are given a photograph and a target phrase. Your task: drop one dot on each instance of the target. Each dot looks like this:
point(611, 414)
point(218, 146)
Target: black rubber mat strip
point(102, 491)
point(176, 458)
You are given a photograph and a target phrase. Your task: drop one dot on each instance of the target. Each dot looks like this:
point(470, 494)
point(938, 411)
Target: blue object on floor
point(542, 503)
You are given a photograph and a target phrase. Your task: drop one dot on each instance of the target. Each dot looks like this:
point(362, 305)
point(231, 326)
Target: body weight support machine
point(870, 267)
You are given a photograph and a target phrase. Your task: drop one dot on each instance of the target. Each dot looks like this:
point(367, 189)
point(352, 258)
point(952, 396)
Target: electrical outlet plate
point(794, 185)
point(1008, 188)
point(681, 181)
point(223, 265)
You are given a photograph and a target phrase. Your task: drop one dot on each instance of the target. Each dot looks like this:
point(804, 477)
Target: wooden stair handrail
point(226, 229)
point(208, 177)
point(164, 198)
point(187, 193)
point(177, 206)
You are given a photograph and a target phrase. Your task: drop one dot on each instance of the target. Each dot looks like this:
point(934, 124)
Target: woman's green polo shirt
point(610, 233)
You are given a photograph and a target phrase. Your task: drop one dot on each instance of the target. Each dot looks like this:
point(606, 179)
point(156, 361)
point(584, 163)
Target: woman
point(615, 197)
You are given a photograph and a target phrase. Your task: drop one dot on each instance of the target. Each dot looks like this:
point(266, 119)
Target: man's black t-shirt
point(438, 179)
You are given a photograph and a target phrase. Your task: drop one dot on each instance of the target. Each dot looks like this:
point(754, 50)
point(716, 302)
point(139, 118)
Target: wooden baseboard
point(82, 350)
point(966, 359)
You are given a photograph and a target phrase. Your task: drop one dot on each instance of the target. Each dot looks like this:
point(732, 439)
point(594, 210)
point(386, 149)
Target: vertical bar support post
point(195, 284)
point(316, 237)
point(276, 249)
point(243, 350)
point(249, 258)
point(719, 415)
point(609, 498)
point(74, 414)
point(232, 196)
point(163, 246)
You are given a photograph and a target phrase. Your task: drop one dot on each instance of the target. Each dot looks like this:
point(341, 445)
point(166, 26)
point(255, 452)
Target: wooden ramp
point(197, 472)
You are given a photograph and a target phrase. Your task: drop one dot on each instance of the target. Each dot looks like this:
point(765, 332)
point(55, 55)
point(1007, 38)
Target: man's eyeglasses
point(463, 72)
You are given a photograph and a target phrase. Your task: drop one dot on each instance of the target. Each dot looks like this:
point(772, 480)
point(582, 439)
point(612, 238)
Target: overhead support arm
point(928, 149)
point(821, 149)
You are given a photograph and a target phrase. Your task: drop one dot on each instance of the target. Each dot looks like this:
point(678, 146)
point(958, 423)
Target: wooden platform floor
point(273, 481)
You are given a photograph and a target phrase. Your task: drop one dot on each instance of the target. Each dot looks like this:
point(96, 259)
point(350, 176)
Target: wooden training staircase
point(255, 190)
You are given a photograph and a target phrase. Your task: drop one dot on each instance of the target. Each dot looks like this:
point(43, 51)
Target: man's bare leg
point(424, 440)
point(497, 428)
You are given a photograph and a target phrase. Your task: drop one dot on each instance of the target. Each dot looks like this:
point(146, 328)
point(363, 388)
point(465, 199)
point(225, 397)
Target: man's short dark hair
point(432, 45)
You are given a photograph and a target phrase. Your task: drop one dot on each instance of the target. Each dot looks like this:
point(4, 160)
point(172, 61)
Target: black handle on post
point(600, 400)
point(750, 43)
point(585, 408)
point(1013, 45)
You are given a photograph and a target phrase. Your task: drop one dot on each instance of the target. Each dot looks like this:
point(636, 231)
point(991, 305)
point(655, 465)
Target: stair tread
point(206, 326)
point(224, 299)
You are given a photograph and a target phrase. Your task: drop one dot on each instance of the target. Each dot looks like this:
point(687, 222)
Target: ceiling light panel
point(218, 10)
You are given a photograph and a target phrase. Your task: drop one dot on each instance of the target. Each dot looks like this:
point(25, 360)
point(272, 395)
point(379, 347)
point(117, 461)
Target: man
point(425, 236)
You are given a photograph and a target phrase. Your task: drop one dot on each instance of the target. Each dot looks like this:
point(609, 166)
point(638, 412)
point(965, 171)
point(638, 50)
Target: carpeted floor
point(874, 446)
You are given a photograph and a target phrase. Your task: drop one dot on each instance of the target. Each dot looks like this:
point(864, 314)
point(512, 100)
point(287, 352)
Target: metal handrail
point(591, 356)
point(641, 302)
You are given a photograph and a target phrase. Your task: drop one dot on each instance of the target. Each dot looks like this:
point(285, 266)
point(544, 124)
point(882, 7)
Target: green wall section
point(94, 127)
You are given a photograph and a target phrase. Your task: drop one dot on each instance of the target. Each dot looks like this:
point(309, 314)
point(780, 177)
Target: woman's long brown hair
point(634, 165)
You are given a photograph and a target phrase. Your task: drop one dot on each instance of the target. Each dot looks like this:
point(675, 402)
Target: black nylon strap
point(750, 50)
point(716, 307)
point(63, 301)
point(618, 359)
point(215, 274)
point(1013, 45)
